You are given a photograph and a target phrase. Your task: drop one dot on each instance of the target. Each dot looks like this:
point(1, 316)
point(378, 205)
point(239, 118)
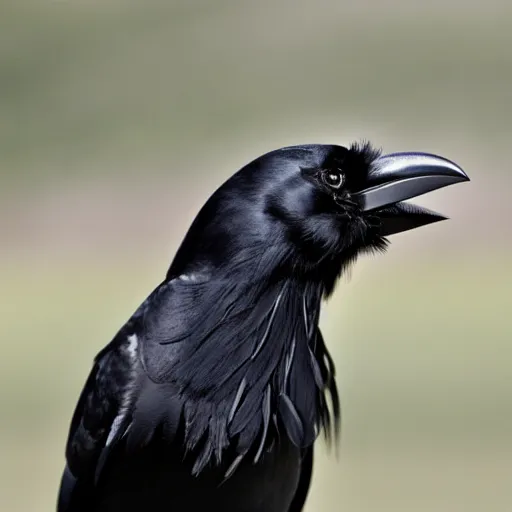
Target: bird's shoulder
point(116, 396)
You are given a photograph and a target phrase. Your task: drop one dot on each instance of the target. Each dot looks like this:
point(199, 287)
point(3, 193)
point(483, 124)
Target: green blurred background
point(118, 119)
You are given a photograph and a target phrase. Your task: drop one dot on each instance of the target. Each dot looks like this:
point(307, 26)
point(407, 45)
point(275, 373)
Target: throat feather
point(260, 359)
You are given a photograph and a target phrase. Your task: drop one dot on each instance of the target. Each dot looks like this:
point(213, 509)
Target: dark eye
point(333, 179)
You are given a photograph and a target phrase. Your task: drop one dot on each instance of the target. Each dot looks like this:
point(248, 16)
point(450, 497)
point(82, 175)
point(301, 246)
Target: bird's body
point(254, 395)
point(212, 394)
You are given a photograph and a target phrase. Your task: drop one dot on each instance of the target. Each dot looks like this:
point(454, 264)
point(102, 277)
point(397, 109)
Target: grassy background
point(118, 119)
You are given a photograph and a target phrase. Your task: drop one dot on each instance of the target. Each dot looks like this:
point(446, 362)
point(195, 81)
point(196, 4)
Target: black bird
point(212, 394)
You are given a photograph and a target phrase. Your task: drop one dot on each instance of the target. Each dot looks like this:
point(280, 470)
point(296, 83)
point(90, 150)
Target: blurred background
point(118, 119)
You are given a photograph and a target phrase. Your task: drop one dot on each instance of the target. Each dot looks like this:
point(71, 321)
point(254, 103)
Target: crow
point(212, 394)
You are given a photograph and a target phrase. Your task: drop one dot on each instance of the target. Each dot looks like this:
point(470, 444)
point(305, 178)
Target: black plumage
point(213, 393)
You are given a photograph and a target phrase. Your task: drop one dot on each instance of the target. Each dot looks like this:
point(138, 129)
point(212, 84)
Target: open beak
point(399, 176)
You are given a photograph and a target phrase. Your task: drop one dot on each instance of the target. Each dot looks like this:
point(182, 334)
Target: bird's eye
point(333, 179)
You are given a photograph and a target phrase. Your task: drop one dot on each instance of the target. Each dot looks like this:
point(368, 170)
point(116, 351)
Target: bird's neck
point(251, 355)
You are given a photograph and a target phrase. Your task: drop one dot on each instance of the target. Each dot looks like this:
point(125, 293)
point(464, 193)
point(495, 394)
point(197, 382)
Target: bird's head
point(310, 210)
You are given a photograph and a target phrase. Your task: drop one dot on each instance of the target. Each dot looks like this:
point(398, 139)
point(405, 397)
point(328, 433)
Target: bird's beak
point(399, 176)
